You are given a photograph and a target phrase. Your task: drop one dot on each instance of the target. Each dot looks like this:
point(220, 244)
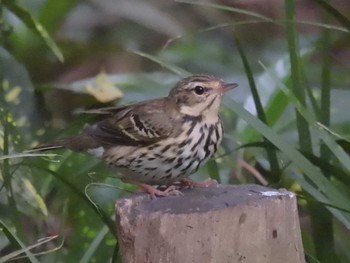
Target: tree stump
point(248, 223)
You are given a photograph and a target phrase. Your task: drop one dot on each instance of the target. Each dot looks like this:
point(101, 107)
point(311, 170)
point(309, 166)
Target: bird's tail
point(79, 143)
point(57, 144)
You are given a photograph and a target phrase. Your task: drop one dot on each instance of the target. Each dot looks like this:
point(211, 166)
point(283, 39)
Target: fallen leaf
point(104, 90)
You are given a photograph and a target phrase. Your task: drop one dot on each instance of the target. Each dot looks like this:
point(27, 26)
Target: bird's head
point(199, 95)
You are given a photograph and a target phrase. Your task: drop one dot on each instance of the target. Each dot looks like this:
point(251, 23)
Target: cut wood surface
point(248, 223)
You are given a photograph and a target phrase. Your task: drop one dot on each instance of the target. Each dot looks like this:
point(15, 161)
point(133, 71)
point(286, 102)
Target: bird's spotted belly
point(174, 158)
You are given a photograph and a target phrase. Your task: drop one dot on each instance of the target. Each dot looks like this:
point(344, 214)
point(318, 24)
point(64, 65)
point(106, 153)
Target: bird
point(157, 142)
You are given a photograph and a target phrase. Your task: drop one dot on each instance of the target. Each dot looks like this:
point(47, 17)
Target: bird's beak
point(227, 86)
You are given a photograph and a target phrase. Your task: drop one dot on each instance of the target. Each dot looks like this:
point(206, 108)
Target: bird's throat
point(208, 113)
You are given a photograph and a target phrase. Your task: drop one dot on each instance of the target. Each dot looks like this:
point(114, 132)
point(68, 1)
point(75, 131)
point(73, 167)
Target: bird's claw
point(154, 192)
point(191, 184)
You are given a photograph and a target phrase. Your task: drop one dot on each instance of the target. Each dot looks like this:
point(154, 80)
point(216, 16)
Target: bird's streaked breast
point(174, 158)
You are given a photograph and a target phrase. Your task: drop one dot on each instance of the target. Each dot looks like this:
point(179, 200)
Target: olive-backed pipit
point(159, 141)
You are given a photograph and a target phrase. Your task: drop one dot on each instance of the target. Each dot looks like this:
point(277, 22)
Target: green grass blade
point(5, 121)
point(335, 13)
point(321, 188)
point(309, 92)
point(304, 62)
point(213, 170)
point(104, 217)
point(23, 155)
point(16, 242)
point(15, 255)
point(325, 109)
point(310, 199)
point(298, 89)
point(271, 154)
point(321, 220)
point(323, 164)
point(323, 25)
point(340, 17)
point(94, 245)
point(116, 255)
point(177, 70)
point(275, 107)
point(251, 81)
point(227, 8)
point(35, 26)
point(54, 12)
point(318, 128)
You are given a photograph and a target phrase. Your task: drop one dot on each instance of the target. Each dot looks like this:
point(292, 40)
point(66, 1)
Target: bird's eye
point(199, 90)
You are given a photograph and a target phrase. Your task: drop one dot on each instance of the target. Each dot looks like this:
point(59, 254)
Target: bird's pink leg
point(154, 192)
point(191, 184)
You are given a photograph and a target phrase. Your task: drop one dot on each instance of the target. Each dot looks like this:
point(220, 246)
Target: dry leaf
point(104, 89)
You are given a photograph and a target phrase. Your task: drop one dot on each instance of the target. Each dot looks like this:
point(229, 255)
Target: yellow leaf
point(12, 95)
point(104, 89)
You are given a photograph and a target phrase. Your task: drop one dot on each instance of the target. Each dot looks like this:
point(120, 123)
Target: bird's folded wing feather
point(116, 110)
point(139, 124)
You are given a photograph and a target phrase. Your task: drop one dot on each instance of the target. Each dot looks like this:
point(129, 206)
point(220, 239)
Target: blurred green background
point(287, 124)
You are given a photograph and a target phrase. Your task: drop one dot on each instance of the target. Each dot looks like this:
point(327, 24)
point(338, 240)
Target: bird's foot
point(154, 192)
point(191, 184)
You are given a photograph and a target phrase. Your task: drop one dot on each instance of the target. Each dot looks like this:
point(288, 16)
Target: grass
point(297, 138)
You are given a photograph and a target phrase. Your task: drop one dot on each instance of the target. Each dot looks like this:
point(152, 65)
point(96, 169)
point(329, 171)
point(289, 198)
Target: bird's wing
point(138, 124)
point(103, 111)
point(116, 110)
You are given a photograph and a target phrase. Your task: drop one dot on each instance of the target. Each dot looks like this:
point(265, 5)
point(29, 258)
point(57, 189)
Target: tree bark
point(221, 224)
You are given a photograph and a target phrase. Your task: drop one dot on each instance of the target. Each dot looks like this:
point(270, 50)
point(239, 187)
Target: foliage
point(291, 125)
